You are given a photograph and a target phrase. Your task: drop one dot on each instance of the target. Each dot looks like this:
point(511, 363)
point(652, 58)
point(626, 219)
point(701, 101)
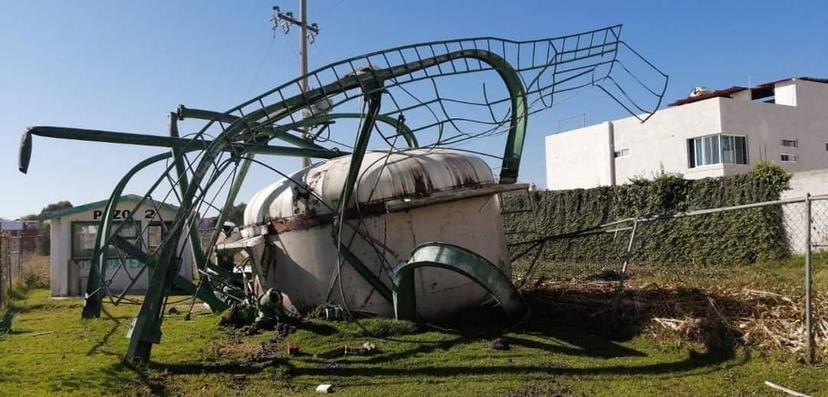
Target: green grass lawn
point(51, 351)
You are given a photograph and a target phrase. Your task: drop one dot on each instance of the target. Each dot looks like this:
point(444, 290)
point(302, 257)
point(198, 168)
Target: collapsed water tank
point(400, 201)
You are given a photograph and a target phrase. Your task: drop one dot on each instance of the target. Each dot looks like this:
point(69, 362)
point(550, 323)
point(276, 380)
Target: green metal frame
point(458, 260)
point(247, 133)
point(146, 330)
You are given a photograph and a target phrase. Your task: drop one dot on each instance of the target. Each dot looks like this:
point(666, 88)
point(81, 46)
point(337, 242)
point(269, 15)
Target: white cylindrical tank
point(400, 201)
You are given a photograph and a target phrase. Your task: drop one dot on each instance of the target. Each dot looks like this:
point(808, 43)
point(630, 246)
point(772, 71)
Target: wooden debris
point(760, 319)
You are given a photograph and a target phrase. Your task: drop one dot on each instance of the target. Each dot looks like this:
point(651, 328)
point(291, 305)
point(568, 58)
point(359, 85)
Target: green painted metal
point(247, 133)
point(231, 196)
point(366, 273)
point(370, 81)
point(205, 294)
point(195, 240)
point(147, 328)
point(183, 144)
point(404, 130)
point(462, 261)
point(97, 270)
point(270, 130)
point(367, 77)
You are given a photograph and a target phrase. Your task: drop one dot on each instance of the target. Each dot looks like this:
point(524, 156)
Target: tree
point(54, 207)
point(42, 244)
point(30, 217)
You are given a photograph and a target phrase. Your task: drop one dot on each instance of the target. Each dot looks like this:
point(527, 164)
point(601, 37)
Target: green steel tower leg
point(195, 242)
point(146, 330)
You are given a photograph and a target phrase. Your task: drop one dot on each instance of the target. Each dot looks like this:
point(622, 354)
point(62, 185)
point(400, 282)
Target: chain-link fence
point(753, 274)
point(23, 258)
point(4, 285)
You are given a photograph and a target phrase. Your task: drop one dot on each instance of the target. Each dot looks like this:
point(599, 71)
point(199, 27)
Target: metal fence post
point(7, 254)
point(809, 334)
point(2, 284)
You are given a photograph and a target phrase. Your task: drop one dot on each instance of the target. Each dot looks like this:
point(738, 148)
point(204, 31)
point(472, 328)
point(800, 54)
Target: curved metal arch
point(458, 260)
point(367, 77)
point(104, 237)
point(92, 305)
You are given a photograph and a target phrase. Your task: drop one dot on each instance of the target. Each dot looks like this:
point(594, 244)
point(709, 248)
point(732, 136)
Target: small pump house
point(73, 232)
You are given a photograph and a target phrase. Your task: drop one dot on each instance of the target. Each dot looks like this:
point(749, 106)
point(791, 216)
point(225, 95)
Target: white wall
point(580, 158)
point(802, 183)
point(565, 155)
point(68, 278)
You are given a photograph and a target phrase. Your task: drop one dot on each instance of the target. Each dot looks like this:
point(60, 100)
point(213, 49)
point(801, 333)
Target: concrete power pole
point(308, 31)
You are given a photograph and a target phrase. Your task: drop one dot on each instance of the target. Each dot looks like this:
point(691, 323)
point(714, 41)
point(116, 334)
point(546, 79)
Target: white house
point(73, 232)
point(710, 133)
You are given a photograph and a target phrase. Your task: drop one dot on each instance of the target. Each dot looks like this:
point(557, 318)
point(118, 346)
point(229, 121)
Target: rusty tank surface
point(401, 200)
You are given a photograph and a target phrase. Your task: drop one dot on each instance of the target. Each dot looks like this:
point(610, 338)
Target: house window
point(788, 158)
point(83, 239)
point(622, 153)
point(84, 235)
point(156, 231)
point(716, 149)
point(792, 143)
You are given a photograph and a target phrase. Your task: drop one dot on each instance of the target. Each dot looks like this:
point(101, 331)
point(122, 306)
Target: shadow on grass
point(207, 367)
point(105, 339)
point(693, 362)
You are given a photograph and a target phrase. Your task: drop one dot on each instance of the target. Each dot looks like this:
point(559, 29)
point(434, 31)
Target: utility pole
point(285, 20)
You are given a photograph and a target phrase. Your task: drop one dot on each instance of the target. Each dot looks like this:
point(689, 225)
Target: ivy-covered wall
point(730, 238)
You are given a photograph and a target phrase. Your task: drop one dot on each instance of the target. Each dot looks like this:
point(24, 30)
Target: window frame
point(153, 224)
point(795, 142)
point(705, 151)
point(794, 156)
point(110, 252)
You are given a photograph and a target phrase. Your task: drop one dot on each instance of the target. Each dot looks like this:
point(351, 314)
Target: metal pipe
point(809, 329)
point(183, 144)
point(611, 139)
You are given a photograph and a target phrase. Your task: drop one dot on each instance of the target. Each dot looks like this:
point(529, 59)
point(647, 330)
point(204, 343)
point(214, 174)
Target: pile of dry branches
point(759, 319)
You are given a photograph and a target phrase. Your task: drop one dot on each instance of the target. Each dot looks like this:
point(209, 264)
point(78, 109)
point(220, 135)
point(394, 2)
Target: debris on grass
point(500, 344)
point(238, 315)
point(344, 350)
point(292, 349)
point(717, 317)
point(785, 390)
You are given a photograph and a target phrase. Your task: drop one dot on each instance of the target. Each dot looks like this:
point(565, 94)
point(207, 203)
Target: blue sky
point(123, 66)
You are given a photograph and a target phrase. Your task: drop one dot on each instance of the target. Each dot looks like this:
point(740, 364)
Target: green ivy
point(730, 238)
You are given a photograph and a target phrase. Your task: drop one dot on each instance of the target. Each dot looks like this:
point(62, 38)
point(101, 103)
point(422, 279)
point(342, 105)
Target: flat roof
point(100, 204)
point(728, 92)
